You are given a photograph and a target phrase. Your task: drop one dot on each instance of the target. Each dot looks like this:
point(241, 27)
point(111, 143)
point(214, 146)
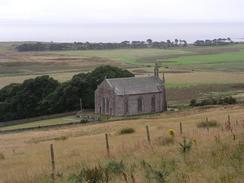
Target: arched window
point(103, 105)
point(126, 105)
point(153, 103)
point(139, 104)
point(107, 105)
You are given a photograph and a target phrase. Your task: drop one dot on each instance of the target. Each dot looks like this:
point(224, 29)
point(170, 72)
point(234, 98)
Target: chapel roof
point(136, 85)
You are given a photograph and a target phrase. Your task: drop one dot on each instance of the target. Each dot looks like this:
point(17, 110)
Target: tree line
point(214, 42)
point(51, 46)
point(45, 95)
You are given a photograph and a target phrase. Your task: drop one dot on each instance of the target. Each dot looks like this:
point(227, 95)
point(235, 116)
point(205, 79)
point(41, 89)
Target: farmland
point(141, 61)
point(188, 70)
point(216, 155)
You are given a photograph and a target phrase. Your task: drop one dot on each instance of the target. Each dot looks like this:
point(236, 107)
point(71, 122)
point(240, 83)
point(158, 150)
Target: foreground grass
point(215, 156)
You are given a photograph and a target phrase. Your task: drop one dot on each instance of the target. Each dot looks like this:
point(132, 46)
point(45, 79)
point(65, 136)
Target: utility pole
point(80, 105)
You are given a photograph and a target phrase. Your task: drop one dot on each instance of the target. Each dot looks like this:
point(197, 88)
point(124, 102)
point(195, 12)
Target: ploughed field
point(214, 150)
point(214, 69)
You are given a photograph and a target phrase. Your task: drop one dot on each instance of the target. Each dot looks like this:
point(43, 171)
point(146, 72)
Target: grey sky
point(118, 20)
point(93, 11)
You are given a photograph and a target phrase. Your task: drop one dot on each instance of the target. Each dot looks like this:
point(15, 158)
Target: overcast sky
point(92, 11)
point(118, 20)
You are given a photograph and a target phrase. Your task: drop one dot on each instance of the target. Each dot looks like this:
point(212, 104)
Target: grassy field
point(190, 72)
point(40, 123)
point(216, 155)
point(222, 61)
point(13, 63)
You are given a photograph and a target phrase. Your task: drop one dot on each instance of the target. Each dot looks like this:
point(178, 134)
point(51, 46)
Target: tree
point(176, 42)
point(23, 100)
point(149, 41)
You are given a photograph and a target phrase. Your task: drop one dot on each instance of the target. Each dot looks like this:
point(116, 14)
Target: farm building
point(131, 96)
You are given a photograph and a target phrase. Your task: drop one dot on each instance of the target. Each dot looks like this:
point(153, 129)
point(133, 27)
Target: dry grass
point(199, 77)
point(175, 78)
point(27, 156)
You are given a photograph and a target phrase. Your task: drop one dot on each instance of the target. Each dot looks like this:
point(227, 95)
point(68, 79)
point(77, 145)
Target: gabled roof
point(135, 85)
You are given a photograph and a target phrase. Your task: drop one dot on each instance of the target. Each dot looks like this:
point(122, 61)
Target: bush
point(115, 167)
point(61, 138)
point(2, 157)
point(186, 145)
point(193, 102)
point(213, 101)
point(90, 175)
point(153, 174)
point(84, 121)
point(207, 124)
point(126, 131)
point(103, 118)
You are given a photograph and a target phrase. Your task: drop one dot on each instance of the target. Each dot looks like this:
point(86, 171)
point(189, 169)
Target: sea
point(117, 32)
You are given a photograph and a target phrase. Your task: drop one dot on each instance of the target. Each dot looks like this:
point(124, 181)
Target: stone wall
point(133, 104)
point(104, 94)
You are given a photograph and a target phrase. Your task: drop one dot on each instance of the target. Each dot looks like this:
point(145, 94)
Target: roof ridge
point(130, 78)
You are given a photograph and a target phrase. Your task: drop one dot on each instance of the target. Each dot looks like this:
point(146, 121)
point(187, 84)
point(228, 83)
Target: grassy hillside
point(216, 154)
point(14, 63)
point(187, 69)
point(221, 61)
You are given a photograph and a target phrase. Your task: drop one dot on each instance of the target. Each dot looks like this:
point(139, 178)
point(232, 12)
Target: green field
point(222, 61)
point(203, 58)
point(130, 56)
point(62, 65)
point(41, 123)
point(191, 72)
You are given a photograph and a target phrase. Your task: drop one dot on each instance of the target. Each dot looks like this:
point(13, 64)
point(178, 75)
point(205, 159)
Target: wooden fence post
point(181, 131)
point(52, 162)
point(148, 135)
point(207, 124)
point(107, 145)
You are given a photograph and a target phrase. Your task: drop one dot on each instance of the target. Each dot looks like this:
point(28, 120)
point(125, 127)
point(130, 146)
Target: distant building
point(131, 96)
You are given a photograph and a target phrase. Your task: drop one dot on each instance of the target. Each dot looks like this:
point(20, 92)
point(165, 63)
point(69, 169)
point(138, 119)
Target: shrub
point(207, 124)
point(84, 121)
point(229, 100)
point(156, 175)
point(103, 118)
point(90, 175)
point(126, 131)
point(185, 145)
point(115, 167)
point(118, 169)
point(61, 138)
point(193, 102)
point(2, 157)
point(213, 101)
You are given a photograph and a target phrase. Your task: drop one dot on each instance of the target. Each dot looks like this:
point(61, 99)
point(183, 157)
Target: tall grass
point(214, 157)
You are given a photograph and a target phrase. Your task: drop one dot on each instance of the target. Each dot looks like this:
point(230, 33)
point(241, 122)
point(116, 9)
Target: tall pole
point(80, 105)
point(164, 94)
point(148, 135)
point(52, 162)
point(107, 145)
